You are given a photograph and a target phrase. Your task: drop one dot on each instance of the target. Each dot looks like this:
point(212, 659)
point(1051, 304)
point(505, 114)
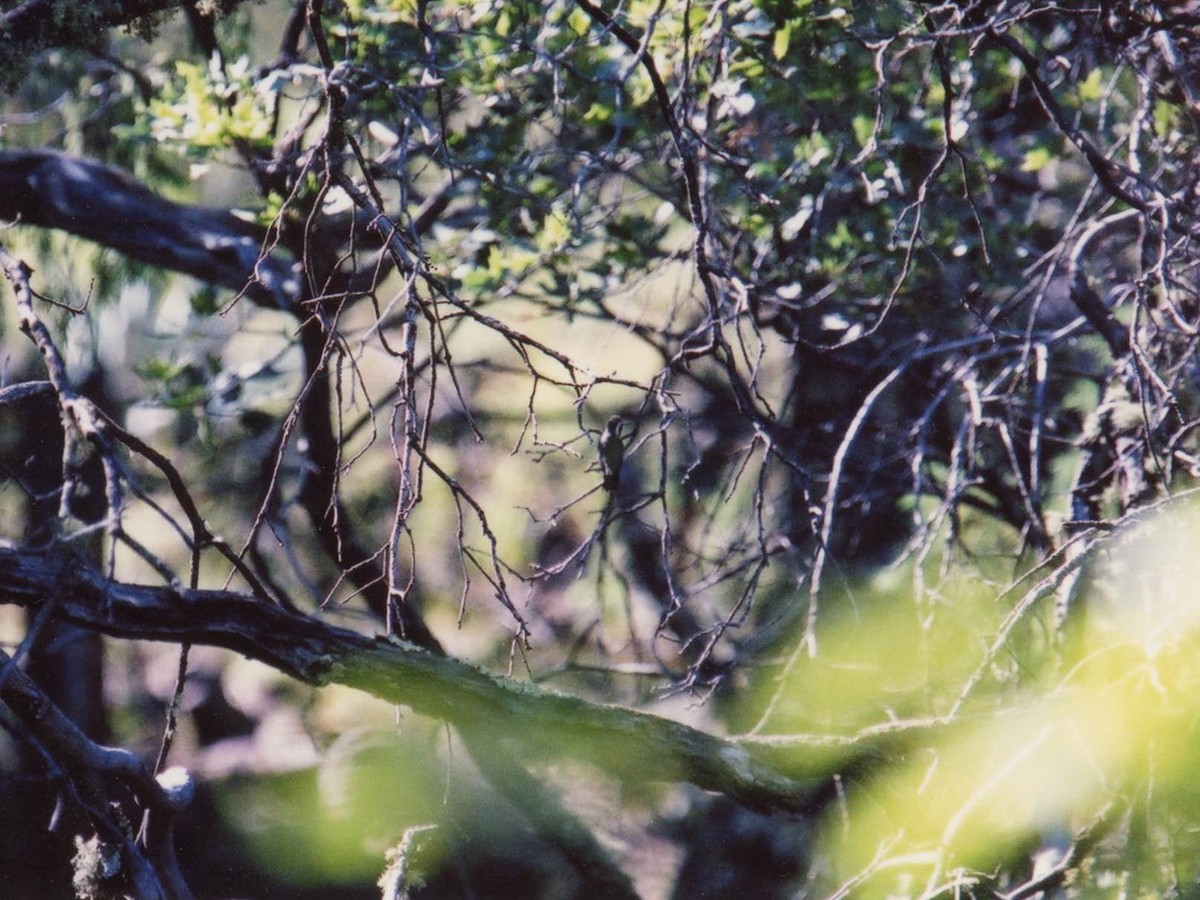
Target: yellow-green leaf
point(783, 37)
point(1036, 159)
point(1089, 88)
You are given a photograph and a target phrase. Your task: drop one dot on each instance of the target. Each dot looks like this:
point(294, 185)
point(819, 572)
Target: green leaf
point(783, 37)
point(864, 128)
point(1036, 159)
point(1089, 88)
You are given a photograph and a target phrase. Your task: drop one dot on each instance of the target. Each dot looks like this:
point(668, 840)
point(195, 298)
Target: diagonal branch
point(89, 765)
point(631, 745)
point(103, 204)
point(1106, 170)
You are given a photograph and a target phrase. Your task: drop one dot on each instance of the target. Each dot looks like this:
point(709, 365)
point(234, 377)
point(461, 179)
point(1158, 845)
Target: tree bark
point(105, 205)
point(631, 745)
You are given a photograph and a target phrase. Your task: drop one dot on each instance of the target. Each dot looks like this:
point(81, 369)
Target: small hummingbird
point(612, 453)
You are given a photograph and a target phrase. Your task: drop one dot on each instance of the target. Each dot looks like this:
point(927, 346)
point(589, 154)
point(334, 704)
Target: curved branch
point(631, 745)
point(105, 205)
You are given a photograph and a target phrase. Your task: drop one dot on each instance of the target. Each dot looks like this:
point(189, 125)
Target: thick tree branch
point(103, 204)
point(626, 743)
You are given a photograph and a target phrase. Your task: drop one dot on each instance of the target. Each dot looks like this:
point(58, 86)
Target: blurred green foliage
point(990, 752)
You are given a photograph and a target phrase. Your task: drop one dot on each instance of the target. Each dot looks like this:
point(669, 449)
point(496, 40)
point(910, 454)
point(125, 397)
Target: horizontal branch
point(628, 744)
point(105, 205)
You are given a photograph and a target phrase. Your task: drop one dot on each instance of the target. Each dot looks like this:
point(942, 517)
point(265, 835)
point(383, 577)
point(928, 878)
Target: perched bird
point(612, 453)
